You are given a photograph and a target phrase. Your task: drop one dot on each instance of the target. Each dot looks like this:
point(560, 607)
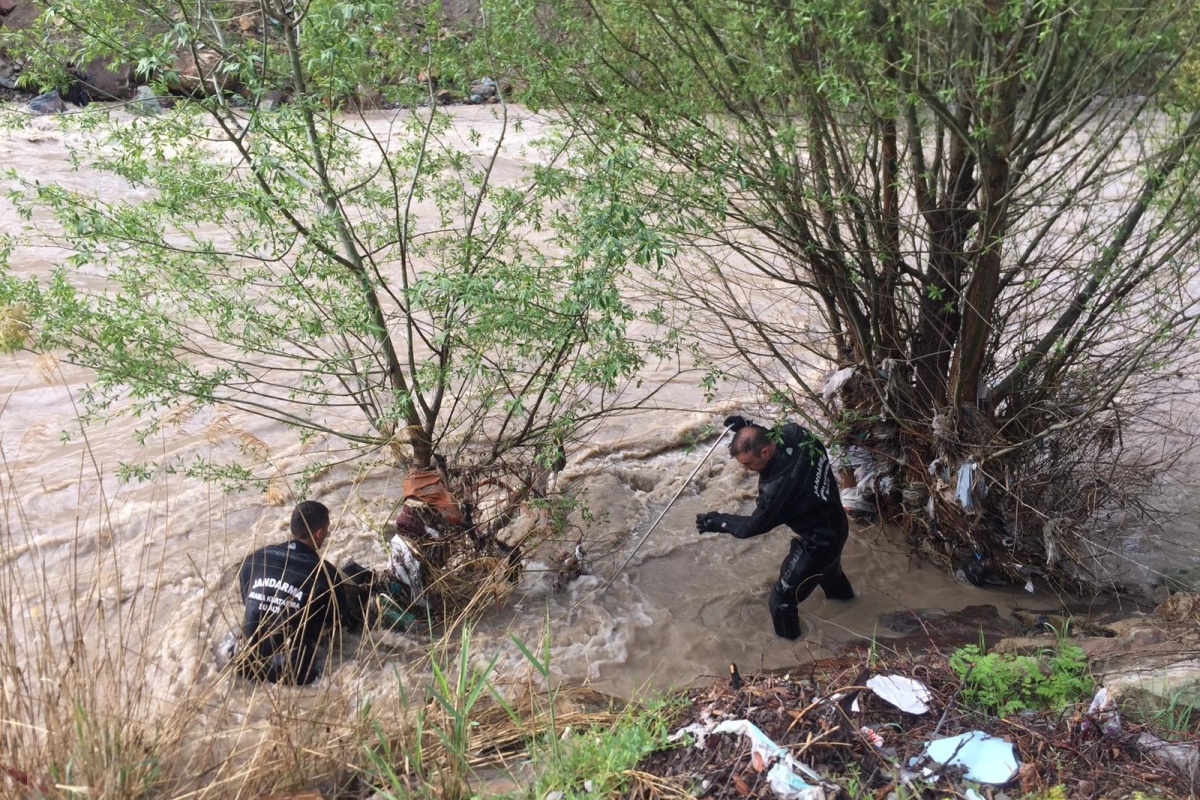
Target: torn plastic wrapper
point(762, 744)
point(872, 736)
point(968, 490)
point(696, 729)
point(836, 381)
point(1102, 712)
point(787, 785)
point(987, 759)
point(908, 695)
point(1183, 756)
point(781, 777)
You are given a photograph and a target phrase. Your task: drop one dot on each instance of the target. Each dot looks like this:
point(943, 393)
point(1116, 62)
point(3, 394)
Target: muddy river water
point(149, 565)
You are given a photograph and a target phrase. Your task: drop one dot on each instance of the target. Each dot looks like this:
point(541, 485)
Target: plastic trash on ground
point(908, 695)
point(787, 785)
point(1101, 712)
point(835, 382)
point(392, 616)
point(872, 736)
point(863, 496)
point(987, 759)
point(701, 733)
point(1184, 756)
point(781, 776)
point(837, 697)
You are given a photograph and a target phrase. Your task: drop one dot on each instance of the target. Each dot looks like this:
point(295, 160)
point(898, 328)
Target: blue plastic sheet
point(987, 759)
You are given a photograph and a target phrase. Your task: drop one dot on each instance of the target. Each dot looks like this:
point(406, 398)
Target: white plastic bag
point(782, 776)
point(908, 695)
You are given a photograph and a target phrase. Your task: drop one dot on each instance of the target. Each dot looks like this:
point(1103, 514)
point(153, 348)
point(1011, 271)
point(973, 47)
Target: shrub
point(1004, 683)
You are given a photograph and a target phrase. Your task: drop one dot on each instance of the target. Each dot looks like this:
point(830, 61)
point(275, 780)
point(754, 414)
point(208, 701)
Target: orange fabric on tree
point(427, 486)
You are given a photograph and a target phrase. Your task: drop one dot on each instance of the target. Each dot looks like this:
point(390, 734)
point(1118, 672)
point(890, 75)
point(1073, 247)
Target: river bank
point(116, 591)
point(870, 722)
point(1101, 706)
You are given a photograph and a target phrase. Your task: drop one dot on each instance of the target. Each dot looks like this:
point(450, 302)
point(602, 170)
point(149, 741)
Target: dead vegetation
point(826, 718)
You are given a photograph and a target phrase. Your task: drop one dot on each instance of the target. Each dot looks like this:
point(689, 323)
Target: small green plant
point(1173, 717)
point(432, 758)
point(456, 692)
point(596, 761)
point(592, 761)
point(1004, 683)
point(107, 758)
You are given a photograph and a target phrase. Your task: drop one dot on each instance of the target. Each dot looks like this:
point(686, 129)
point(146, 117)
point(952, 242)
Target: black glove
point(708, 523)
point(737, 422)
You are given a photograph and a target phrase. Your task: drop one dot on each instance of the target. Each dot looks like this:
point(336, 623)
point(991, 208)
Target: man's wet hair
point(308, 518)
point(749, 438)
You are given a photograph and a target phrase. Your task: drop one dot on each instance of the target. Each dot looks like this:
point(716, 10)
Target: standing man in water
point(796, 488)
point(291, 598)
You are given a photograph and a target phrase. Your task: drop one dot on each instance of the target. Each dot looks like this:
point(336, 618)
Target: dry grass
point(14, 327)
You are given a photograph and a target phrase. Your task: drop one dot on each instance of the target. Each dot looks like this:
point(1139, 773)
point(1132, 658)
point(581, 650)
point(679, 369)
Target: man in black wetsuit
point(291, 598)
point(796, 488)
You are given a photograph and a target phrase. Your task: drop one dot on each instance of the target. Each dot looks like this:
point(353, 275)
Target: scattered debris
point(1182, 756)
point(568, 565)
point(906, 694)
point(806, 720)
point(766, 756)
point(1103, 713)
point(987, 759)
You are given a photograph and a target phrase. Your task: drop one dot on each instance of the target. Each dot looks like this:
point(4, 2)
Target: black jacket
point(291, 596)
point(797, 489)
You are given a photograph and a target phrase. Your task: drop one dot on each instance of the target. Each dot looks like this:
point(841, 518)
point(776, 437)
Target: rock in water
point(8, 74)
point(485, 91)
point(271, 100)
point(48, 103)
point(145, 101)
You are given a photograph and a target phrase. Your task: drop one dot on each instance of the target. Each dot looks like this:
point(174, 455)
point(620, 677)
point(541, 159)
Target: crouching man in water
point(292, 597)
point(796, 488)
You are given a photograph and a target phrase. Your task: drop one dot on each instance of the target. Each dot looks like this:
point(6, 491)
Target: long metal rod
point(645, 535)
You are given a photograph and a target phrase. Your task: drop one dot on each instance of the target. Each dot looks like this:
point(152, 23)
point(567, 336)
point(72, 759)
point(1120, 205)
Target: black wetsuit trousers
point(799, 575)
point(295, 668)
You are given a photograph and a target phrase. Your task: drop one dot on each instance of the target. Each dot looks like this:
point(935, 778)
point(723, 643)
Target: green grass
point(595, 762)
point(1172, 716)
point(435, 756)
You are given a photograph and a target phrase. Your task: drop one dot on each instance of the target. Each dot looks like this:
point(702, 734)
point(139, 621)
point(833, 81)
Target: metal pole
point(629, 558)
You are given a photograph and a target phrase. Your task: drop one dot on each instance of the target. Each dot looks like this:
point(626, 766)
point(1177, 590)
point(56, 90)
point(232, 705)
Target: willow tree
point(360, 275)
point(984, 211)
